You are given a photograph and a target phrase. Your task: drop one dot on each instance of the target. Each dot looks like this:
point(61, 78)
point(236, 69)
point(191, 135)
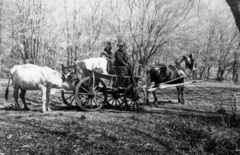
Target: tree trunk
point(235, 8)
point(201, 71)
point(220, 74)
point(208, 73)
point(235, 68)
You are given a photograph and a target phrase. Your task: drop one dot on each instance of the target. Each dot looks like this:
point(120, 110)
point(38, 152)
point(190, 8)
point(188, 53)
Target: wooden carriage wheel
point(91, 94)
point(68, 98)
point(134, 97)
point(115, 98)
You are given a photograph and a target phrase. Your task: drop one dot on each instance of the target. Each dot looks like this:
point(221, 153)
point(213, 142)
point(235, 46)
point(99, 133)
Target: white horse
point(33, 77)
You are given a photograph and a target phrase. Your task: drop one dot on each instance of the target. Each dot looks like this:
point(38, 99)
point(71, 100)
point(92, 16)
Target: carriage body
point(115, 81)
point(93, 90)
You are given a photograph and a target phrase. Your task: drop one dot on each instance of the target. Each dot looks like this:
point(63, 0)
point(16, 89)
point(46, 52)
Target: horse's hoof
point(155, 104)
point(150, 105)
point(26, 108)
point(17, 108)
point(182, 102)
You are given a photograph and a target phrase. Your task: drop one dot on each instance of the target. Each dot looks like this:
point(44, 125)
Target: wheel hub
point(92, 95)
point(135, 97)
point(116, 95)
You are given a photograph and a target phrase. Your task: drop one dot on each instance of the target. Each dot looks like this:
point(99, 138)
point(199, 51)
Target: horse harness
point(180, 71)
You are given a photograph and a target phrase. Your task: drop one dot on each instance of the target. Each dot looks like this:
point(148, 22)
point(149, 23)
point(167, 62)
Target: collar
point(179, 69)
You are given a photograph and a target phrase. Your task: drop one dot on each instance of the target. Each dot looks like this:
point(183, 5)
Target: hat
point(109, 44)
point(121, 44)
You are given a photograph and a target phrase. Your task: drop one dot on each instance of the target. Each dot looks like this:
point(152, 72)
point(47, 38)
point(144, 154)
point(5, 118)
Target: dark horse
point(172, 74)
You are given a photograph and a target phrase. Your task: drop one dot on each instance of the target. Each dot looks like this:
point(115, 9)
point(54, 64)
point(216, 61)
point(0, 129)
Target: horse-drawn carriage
point(94, 89)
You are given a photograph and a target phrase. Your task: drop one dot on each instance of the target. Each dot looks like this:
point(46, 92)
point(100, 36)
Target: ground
point(204, 125)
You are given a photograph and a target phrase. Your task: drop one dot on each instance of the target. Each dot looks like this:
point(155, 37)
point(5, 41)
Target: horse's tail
point(7, 90)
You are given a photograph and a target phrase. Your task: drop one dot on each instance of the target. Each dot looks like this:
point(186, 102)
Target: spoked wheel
point(91, 95)
point(68, 98)
point(134, 97)
point(115, 99)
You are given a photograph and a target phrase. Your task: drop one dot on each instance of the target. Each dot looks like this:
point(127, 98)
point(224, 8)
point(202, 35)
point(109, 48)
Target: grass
point(194, 128)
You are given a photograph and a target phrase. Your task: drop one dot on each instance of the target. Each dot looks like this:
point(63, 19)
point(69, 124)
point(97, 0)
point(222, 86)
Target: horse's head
point(189, 61)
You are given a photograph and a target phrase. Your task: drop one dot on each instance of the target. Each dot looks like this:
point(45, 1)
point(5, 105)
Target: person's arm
point(127, 58)
point(111, 55)
point(119, 59)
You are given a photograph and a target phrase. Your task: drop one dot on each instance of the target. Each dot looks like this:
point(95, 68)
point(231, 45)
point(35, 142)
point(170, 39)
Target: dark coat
point(121, 58)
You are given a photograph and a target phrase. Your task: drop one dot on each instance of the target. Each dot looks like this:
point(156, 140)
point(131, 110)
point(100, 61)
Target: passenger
point(107, 53)
point(122, 58)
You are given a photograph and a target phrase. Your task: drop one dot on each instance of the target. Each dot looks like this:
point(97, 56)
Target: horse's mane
point(177, 60)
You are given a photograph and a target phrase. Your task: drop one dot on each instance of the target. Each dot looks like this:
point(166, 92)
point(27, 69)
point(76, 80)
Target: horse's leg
point(147, 98)
point(48, 99)
point(178, 93)
point(182, 94)
point(15, 95)
point(44, 97)
point(155, 102)
point(148, 83)
point(22, 96)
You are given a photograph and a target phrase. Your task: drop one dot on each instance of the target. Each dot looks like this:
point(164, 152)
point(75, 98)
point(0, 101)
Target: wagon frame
point(95, 90)
point(107, 89)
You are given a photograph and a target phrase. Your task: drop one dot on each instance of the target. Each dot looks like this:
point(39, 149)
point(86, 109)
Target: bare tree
point(152, 24)
point(82, 28)
point(93, 24)
point(207, 40)
point(226, 44)
point(28, 27)
point(2, 14)
point(117, 20)
point(214, 39)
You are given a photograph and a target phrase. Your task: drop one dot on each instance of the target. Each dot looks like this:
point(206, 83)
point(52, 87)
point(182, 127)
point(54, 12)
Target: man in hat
point(122, 58)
